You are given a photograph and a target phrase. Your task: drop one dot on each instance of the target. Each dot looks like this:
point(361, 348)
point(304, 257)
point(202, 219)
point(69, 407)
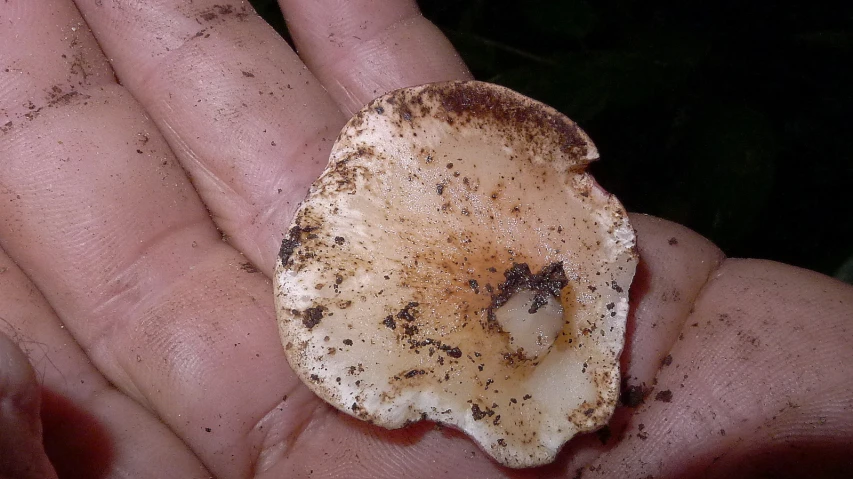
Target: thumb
point(22, 455)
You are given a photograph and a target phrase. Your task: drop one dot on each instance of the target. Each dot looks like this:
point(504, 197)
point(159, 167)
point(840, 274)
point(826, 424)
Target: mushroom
point(455, 263)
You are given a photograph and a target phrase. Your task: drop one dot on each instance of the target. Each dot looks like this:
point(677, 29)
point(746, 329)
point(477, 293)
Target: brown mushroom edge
point(440, 204)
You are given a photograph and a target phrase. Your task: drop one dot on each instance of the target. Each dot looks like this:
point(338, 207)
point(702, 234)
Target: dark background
point(730, 117)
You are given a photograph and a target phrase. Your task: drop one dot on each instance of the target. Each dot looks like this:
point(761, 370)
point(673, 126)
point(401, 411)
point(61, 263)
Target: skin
point(140, 224)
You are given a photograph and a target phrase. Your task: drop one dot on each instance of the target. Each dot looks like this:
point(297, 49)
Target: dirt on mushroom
point(456, 263)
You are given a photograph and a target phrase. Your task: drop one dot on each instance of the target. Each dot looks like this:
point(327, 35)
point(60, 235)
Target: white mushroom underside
point(389, 274)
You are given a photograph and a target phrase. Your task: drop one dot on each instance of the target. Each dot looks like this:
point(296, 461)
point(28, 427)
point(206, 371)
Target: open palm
point(144, 198)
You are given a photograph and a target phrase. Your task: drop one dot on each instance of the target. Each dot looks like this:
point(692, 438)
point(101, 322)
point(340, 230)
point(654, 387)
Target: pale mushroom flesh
point(455, 263)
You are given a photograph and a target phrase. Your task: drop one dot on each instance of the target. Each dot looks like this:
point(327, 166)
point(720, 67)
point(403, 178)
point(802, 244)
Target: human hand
point(154, 341)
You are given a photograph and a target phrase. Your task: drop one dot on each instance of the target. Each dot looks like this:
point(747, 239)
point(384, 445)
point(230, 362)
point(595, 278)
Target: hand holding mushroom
point(146, 336)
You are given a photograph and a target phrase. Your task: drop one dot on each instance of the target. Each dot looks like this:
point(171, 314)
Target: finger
point(252, 127)
point(21, 452)
point(362, 49)
point(103, 220)
point(675, 264)
point(759, 382)
point(88, 426)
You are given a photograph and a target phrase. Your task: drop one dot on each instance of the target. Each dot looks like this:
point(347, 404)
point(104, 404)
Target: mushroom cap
point(395, 284)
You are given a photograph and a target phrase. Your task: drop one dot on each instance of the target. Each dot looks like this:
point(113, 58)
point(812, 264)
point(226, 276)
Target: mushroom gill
point(454, 262)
